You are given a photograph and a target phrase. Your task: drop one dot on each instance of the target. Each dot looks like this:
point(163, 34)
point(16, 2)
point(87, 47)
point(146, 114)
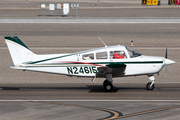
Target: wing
point(116, 69)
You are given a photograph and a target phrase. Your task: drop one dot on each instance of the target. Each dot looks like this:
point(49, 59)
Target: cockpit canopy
point(132, 52)
point(112, 52)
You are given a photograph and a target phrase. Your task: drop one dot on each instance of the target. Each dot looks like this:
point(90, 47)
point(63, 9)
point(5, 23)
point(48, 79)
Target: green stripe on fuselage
point(81, 52)
point(108, 64)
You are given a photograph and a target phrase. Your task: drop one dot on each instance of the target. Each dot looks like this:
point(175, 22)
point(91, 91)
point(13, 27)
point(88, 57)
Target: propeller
point(166, 53)
point(167, 62)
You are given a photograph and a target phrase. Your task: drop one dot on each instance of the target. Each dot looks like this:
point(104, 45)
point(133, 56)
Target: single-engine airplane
point(106, 62)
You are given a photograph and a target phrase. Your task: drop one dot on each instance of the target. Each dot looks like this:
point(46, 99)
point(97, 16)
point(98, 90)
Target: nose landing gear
point(150, 85)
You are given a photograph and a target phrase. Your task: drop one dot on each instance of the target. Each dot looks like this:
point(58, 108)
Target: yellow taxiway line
point(149, 111)
point(114, 114)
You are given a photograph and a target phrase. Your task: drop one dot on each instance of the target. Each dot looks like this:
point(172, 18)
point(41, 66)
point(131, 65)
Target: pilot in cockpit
point(119, 56)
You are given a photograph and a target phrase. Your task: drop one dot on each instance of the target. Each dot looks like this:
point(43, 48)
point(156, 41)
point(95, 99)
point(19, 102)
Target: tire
point(108, 87)
point(105, 82)
point(148, 86)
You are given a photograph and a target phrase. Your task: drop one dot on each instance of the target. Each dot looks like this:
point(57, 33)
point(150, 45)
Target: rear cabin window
point(88, 56)
point(117, 55)
point(101, 55)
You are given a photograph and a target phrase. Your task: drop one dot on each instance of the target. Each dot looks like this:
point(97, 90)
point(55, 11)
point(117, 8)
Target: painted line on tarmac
point(113, 114)
point(114, 7)
point(92, 21)
point(19, 8)
point(64, 48)
point(146, 112)
point(150, 22)
point(89, 100)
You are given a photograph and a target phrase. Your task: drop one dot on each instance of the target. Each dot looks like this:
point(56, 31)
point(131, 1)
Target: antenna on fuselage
point(102, 42)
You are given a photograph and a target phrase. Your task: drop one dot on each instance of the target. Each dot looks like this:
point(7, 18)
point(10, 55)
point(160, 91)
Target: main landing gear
point(150, 85)
point(108, 86)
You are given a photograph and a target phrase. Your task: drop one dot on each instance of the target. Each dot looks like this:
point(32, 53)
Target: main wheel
point(105, 82)
point(108, 86)
point(149, 87)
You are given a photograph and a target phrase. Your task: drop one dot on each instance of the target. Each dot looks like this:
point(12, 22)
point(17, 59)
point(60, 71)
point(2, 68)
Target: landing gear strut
point(108, 83)
point(150, 85)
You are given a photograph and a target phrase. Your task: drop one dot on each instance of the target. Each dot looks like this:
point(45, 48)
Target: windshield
point(132, 52)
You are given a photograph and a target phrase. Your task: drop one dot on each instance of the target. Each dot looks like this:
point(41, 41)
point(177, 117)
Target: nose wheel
point(108, 87)
point(150, 86)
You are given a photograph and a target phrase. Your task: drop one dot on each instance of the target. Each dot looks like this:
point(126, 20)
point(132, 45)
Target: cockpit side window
point(119, 54)
point(101, 55)
point(89, 56)
point(132, 52)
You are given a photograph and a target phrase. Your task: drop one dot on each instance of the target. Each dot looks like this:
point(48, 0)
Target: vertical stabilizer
point(20, 53)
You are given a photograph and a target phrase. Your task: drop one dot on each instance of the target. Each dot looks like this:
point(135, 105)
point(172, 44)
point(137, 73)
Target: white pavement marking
point(92, 20)
point(89, 100)
point(144, 48)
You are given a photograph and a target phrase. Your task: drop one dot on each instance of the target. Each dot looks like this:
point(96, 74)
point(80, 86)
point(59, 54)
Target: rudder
point(19, 52)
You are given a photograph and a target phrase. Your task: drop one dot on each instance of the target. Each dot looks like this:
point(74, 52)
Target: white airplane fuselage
point(73, 64)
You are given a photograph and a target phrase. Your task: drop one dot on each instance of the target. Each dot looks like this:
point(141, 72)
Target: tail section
point(20, 53)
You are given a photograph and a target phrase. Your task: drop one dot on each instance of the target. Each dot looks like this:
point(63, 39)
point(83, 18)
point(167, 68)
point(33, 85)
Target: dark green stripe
point(122, 63)
point(51, 58)
point(108, 64)
point(145, 62)
point(65, 55)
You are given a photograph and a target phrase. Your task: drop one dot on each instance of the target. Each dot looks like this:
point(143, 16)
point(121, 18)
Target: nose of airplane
point(168, 62)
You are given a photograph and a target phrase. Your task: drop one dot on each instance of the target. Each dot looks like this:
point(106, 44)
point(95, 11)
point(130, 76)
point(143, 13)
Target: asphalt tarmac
point(89, 101)
point(105, 8)
point(32, 95)
point(149, 39)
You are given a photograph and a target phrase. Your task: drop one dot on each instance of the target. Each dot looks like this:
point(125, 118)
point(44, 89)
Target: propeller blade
point(166, 53)
point(167, 62)
point(166, 70)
